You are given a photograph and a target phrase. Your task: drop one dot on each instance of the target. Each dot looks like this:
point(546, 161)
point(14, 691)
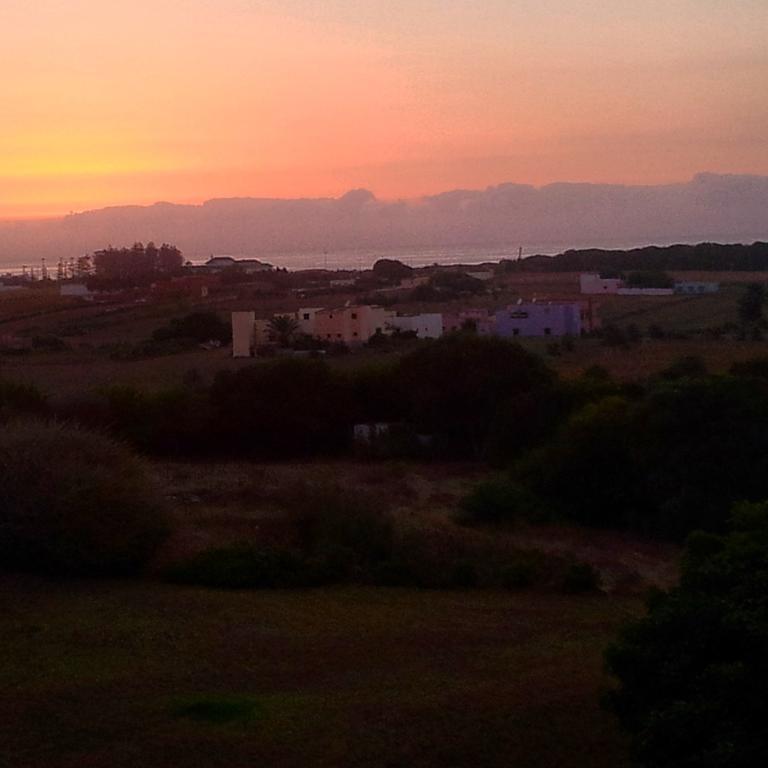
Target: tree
point(283, 328)
point(391, 270)
point(137, 265)
point(693, 673)
point(751, 305)
point(460, 385)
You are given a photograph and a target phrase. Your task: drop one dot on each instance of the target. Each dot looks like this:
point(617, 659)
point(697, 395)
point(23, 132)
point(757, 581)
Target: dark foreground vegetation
point(681, 455)
point(693, 673)
point(661, 457)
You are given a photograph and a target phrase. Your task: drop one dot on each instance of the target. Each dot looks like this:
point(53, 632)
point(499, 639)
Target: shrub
point(243, 566)
point(75, 503)
point(499, 500)
point(215, 709)
point(16, 398)
point(692, 673)
point(340, 530)
point(523, 571)
point(581, 577)
point(686, 367)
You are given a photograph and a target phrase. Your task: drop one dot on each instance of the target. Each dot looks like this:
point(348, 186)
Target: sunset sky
point(105, 102)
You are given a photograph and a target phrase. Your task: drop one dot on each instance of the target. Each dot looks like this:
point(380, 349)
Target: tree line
point(713, 257)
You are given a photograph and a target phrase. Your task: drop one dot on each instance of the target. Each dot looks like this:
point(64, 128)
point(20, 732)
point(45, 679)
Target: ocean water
point(358, 259)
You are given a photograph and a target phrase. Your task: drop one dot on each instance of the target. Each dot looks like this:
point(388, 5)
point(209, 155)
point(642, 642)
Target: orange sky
point(106, 102)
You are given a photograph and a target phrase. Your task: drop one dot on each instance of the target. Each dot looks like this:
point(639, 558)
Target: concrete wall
point(645, 292)
point(243, 327)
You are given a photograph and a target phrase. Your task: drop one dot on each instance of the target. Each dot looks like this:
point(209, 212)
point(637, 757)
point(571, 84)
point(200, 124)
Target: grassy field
point(86, 329)
point(122, 675)
point(115, 675)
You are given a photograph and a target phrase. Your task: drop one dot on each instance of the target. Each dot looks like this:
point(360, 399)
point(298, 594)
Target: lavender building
point(539, 319)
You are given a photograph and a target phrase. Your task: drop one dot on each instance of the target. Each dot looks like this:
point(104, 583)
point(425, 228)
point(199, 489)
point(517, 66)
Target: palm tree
point(283, 328)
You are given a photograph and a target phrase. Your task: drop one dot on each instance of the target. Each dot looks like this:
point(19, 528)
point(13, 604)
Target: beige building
point(243, 333)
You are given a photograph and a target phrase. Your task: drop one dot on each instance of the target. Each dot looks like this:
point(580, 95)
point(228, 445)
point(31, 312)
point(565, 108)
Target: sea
point(360, 258)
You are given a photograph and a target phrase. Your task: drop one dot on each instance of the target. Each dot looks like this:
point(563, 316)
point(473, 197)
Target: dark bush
point(458, 386)
point(686, 367)
point(17, 399)
point(243, 567)
point(692, 674)
point(75, 503)
point(522, 572)
point(663, 464)
point(580, 577)
point(281, 408)
point(499, 500)
point(337, 527)
point(756, 368)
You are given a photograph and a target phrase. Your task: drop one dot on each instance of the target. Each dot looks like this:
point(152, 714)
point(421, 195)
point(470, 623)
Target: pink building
point(350, 325)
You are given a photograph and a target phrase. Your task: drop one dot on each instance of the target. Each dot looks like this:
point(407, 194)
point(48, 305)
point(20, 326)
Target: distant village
point(359, 307)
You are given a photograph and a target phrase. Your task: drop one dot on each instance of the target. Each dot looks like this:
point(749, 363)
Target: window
point(306, 315)
point(515, 331)
point(355, 333)
point(547, 331)
point(338, 335)
point(518, 315)
point(328, 335)
point(354, 315)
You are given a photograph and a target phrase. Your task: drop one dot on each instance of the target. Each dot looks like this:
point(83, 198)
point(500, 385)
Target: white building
point(426, 326)
point(592, 283)
point(305, 317)
point(249, 266)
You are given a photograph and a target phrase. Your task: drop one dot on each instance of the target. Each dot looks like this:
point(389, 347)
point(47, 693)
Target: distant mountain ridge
point(709, 207)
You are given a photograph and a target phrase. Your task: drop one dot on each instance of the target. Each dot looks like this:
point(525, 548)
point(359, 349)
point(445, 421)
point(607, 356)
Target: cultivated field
point(117, 675)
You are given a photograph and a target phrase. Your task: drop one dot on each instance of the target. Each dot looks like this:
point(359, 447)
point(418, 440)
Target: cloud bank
point(709, 207)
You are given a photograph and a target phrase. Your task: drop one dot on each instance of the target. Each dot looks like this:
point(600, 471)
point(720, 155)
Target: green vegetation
point(74, 503)
point(693, 672)
point(218, 710)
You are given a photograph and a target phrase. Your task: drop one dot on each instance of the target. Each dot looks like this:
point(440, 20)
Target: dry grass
point(227, 503)
point(651, 356)
point(102, 676)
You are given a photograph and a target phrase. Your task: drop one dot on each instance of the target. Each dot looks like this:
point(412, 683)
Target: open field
point(128, 675)
point(115, 675)
point(217, 504)
point(88, 330)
